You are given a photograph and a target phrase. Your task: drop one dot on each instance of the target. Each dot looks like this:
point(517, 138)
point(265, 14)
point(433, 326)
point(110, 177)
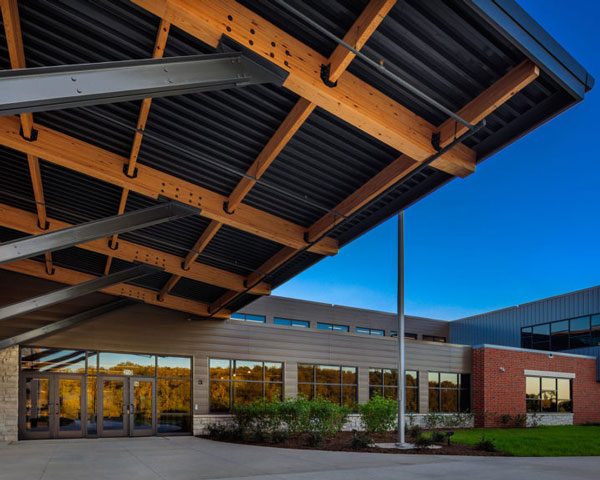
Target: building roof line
point(519, 305)
point(528, 350)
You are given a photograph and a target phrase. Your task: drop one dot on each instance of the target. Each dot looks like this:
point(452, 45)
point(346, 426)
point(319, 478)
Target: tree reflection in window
point(384, 382)
point(242, 382)
point(335, 383)
point(548, 394)
point(449, 392)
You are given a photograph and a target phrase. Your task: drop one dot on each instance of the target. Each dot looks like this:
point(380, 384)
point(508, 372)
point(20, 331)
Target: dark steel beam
point(65, 323)
point(34, 245)
point(68, 86)
point(75, 291)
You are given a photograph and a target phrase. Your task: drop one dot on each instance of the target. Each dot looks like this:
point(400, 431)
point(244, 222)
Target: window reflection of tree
point(70, 402)
point(242, 382)
point(335, 383)
point(449, 392)
point(384, 382)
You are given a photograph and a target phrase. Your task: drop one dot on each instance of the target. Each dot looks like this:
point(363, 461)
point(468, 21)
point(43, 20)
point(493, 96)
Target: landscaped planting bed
point(317, 424)
point(343, 442)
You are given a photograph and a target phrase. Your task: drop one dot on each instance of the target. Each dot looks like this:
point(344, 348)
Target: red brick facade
point(498, 383)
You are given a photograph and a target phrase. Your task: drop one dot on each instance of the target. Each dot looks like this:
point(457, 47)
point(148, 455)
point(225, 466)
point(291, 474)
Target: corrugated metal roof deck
point(445, 48)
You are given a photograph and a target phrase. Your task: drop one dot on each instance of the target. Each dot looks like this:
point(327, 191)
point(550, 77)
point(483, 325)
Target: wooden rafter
point(352, 100)
point(16, 53)
point(88, 159)
point(485, 103)
point(357, 35)
point(24, 221)
point(490, 99)
point(157, 52)
point(72, 277)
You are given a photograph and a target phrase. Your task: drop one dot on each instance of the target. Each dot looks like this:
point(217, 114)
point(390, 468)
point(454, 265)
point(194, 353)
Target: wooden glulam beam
point(72, 277)
point(24, 221)
point(88, 159)
point(490, 99)
point(157, 52)
point(352, 100)
point(16, 53)
point(357, 35)
point(484, 104)
point(271, 264)
point(209, 232)
point(390, 175)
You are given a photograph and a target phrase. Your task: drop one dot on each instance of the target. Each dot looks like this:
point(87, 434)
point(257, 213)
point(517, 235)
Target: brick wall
point(498, 383)
point(9, 394)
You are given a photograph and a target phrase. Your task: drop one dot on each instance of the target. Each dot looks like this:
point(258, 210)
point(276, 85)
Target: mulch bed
point(342, 442)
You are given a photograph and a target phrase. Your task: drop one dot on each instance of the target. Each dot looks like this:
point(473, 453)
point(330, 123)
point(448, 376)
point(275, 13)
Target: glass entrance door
point(68, 405)
point(51, 406)
point(36, 408)
point(142, 400)
point(114, 407)
point(126, 406)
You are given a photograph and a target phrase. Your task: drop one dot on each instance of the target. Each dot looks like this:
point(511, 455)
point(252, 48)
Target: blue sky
point(525, 226)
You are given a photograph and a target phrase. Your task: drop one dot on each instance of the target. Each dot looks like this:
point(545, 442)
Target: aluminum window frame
point(593, 326)
point(459, 391)
point(540, 400)
point(369, 331)
point(340, 328)
point(292, 322)
point(383, 386)
point(231, 381)
point(314, 382)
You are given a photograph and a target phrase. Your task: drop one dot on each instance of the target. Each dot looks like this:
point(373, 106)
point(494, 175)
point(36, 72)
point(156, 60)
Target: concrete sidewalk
point(179, 458)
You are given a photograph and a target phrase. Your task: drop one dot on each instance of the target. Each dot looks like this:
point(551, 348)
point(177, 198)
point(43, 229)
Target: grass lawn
point(538, 442)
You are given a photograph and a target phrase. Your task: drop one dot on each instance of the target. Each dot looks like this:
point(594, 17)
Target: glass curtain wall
point(172, 376)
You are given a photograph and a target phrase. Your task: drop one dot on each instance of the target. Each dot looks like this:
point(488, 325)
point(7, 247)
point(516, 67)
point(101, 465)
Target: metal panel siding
point(503, 327)
point(147, 329)
point(591, 351)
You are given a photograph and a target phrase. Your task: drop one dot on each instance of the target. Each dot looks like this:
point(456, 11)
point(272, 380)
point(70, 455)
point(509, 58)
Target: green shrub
point(520, 420)
point(485, 445)
point(360, 441)
point(258, 419)
point(505, 419)
point(438, 437)
point(315, 439)
point(379, 414)
point(458, 419)
point(433, 420)
point(325, 417)
point(534, 420)
point(414, 431)
point(295, 414)
point(423, 442)
point(261, 419)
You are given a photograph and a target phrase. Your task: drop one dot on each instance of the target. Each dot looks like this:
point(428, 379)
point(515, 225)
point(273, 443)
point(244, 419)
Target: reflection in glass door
point(36, 421)
point(69, 396)
point(51, 406)
point(114, 407)
point(142, 411)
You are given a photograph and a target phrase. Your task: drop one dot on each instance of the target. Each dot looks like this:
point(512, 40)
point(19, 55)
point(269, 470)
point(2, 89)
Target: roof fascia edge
point(537, 44)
